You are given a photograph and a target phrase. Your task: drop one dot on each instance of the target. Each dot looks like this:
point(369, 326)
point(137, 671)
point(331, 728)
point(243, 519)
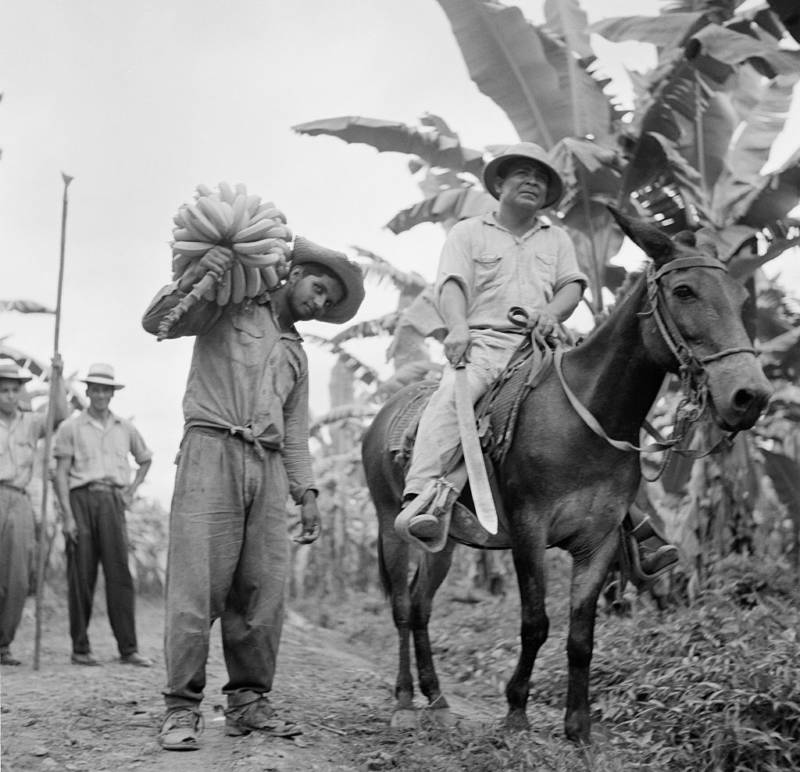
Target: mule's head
point(697, 323)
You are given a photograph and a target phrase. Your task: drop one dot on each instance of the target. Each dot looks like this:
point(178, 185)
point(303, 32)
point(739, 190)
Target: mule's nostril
point(743, 399)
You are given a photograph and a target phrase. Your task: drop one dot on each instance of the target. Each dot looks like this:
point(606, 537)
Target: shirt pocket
point(248, 327)
point(546, 264)
point(487, 270)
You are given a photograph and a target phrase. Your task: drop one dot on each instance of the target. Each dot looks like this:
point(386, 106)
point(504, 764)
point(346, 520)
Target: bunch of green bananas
point(256, 231)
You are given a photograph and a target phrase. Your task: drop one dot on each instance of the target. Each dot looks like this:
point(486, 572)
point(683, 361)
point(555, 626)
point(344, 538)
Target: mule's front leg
point(529, 563)
point(587, 580)
point(431, 573)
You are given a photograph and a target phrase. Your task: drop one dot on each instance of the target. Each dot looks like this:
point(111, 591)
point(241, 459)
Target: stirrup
point(668, 551)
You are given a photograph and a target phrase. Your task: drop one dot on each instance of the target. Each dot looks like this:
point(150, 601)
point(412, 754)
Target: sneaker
point(256, 715)
point(180, 729)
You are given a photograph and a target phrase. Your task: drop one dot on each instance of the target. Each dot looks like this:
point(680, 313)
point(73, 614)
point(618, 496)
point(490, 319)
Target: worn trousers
point(438, 440)
point(228, 559)
point(16, 553)
point(102, 539)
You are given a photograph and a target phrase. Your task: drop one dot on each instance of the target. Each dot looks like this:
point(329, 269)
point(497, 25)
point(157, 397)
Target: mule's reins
point(691, 368)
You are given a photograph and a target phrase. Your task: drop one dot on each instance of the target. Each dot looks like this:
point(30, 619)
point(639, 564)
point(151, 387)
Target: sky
point(142, 101)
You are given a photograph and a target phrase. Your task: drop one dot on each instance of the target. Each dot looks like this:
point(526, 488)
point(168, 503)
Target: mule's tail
point(383, 571)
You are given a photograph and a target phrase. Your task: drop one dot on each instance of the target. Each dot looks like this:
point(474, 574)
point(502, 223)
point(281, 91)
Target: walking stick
point(43, 547)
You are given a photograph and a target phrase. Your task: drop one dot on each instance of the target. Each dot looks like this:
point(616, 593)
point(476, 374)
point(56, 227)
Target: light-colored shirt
point(497, 270)
point(18, 447)
point(246, 374)
point(99, 452)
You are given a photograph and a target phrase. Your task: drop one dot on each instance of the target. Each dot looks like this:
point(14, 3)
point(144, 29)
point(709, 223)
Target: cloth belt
point(99, 486)
point(9, 486)
point(244, 433)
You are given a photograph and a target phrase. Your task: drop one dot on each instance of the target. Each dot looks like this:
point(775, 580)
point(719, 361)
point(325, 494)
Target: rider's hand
point(545, 323)
point(456, 344)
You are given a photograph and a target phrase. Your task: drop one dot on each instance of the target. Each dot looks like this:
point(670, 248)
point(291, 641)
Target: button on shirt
point(497, 270)
point(18, 447)
point(99, 452)
point(245, 374)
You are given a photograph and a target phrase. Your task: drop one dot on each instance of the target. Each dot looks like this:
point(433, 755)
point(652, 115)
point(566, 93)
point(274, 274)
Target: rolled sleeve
point(455, 262)
point(567, 268)
point(139, 450)
point(195, 321)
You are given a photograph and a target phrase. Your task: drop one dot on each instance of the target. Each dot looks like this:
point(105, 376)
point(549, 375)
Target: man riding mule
point(510, 258)
point(572, 469)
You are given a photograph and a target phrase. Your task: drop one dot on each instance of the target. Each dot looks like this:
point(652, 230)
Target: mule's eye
point(683, 292)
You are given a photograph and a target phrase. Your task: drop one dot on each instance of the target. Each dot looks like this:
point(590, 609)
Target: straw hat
point(527, 151)
point(103, 375)
point(10, 371)
point(348, 273)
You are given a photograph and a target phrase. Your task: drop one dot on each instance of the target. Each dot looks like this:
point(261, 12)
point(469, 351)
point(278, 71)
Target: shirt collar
point(86, 418)
point(542, 221)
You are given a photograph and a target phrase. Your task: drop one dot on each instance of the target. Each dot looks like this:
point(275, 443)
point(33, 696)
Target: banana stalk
point(168, 322)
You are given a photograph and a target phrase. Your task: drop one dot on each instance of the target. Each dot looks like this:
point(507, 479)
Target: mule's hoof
point(442, 717)
point(516, 721)
point(403, 718)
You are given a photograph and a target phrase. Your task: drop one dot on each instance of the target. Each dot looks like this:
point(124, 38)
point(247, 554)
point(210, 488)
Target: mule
point(564, 484)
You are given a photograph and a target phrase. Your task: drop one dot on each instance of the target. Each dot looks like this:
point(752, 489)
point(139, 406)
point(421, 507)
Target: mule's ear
point(655, 243)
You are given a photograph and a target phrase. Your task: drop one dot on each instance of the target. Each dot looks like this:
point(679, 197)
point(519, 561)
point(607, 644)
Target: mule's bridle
point(689, 364)
point(691, 368)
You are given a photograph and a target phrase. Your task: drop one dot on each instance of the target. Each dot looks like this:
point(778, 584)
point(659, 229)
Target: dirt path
point(66, 717)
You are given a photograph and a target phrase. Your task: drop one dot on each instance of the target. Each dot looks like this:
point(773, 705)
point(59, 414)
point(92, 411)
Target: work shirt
point(497, 270)
point(99, 452)
point(18, 447)
point(246, 375)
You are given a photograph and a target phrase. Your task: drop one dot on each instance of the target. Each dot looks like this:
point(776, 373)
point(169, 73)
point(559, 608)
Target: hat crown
point(101, 370)
point(12, 372)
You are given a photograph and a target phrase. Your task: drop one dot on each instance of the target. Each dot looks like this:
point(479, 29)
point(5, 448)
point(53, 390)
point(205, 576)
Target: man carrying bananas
point(20, 430)
point(244, 450)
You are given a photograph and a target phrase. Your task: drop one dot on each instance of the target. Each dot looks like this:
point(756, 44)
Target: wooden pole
point(43, 546)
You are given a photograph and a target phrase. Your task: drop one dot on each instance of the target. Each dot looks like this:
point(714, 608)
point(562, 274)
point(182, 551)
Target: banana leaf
point(447, 207)
point(785, 475)
point(526, 73)
point(722, 46)
point(361, 371)
point(408, 282)
point(433, 147)
point(565, 19)
point(24, 307)
point(786, 11)
point(777, 194)
point(665, 31)
point(383, 325)
point(746, 157)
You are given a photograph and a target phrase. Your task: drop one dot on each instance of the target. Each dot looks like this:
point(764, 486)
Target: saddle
point(496, 416)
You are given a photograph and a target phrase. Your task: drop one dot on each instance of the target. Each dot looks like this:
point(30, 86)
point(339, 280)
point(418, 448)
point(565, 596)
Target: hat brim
point(17, 378)
point(347, 272)
point(555, 187)
point(100, 382)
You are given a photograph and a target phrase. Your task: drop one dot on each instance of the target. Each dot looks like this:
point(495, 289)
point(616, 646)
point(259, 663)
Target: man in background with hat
point(244, 451)
point(94, 487)
point(20, 430)
point(510, 257)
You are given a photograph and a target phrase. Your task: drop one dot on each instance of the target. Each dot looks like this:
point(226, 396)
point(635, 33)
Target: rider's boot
point(655, 553)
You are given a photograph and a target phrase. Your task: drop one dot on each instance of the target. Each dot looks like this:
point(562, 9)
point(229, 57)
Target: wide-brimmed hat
point(103, 375)
point(10, 371)
point(349, 274)
point(527, 151)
